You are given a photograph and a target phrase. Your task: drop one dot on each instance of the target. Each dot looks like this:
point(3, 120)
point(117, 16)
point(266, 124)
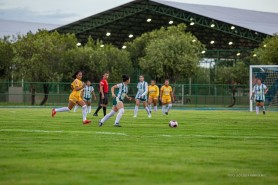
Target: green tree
point(38, 58)
point(6, 53)
point(167, 53)
point(267, 53)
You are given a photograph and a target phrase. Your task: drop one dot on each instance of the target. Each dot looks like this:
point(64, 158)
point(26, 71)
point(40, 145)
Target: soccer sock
point(263, 108)
point(148, 110)
point(169, 107)
point(63, 109)
point(89, 109)
point(257, 109)
point(104, 111)
point(107, 116)
point(163, 109)
point(99, 107)
point(119, 115)
point(155, 108)
point(84, 112)
point(75, 108)
point(135, 110)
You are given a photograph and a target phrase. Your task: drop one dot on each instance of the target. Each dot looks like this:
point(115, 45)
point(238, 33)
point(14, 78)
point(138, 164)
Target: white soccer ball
point(173, 124)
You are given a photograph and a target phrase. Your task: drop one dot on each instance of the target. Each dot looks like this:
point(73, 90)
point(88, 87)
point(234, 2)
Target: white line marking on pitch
point(112, 133)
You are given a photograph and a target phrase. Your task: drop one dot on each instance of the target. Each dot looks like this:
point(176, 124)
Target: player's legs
point(169, 103)
point(108, 116)
point(136, 108)
point(120, 108)
point(150, 101)
point(99, 105)
point(104, 103)
point(84, 111)
point(63, 109)
point(147, 108)
point(89, 107)
point(257, 107)
point(263, 107)
point(155, 104)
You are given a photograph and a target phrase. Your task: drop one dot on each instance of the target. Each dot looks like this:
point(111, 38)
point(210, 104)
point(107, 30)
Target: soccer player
point(103, 94)
point(166, 97)
point(87, 94)
point(75, 97)
point(118, 105)
point(258, 94)
point(153, 95)
point(141, 96)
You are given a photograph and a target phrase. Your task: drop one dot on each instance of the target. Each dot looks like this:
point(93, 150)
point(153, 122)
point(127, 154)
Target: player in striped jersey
point(118, 105)
point(141, 96)
point(258, 94)
point(87, 94)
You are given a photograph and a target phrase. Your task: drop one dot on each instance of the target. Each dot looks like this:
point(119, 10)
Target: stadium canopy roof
point(225, 30)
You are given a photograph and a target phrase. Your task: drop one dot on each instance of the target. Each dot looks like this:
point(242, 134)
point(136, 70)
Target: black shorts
point(259, 101)
point(103, 101)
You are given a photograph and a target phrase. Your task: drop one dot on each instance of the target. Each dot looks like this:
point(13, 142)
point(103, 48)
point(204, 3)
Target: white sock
point(169, 107)
point(263, 108)
point(163, 109)
point(107, 116)
point(89, 109)
point(63, 109)
point(75, 108)
point(257, 109)
point(84, 112)
point(150, 108)
point(155, 108)
point(147, 109)
point(135, 110)
point(119, 115)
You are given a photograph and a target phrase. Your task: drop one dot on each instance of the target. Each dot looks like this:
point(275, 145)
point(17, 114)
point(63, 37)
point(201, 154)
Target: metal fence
point(197, 95)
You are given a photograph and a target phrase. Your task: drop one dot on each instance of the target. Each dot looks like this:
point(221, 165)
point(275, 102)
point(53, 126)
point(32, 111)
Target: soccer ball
point(173, 124)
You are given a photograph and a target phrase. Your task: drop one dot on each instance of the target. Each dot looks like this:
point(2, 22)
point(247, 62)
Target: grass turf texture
point(208, 147)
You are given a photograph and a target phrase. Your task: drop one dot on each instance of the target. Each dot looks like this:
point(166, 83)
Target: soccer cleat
point(86, 122)
point(264, 112)
point(53, 113)
point(166, 113)
point(95, 114)
point(117, 125)
point(135, 116)
point(100, 124)
point(149, 115)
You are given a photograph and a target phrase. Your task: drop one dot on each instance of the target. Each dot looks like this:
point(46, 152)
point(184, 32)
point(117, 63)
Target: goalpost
point(269, 76)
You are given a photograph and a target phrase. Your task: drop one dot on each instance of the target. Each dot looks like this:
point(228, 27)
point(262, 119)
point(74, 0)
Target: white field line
point(123, 134)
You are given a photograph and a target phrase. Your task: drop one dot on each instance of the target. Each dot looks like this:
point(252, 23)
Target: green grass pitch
point(208, 147)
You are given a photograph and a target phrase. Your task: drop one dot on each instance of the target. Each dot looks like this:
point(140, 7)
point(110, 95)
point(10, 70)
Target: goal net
point(269, 76)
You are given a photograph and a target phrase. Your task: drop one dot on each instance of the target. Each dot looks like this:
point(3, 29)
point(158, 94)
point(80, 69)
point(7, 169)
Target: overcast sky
point(66, 11)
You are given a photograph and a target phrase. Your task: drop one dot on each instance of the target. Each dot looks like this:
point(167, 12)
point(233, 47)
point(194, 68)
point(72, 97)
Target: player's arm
point(94, 94)
point(146, 90)
point(113, 90)
point(157, 92)
point(266, 90)
point(161, 92)
point(127, 97)
point(78, 88)
point(101, 90)
point(172, 96)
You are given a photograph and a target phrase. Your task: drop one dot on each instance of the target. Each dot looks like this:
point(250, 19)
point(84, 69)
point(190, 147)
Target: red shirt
point(104, 83)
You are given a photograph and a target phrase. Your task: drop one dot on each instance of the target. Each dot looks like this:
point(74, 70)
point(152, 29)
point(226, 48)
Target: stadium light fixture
point(265, 46)
point(203, 52)
point(149, 20)
point(78, 44)
point(212, 42)
point(230, 43)
point(238, 54)
point(254, 55)
point(108, 34)
point(192, 23)
point(123, 47)
point(101, 45)
point(194, 40)
point(171, 22)
point(130, 36)
point(233, 27)
point(212, 25)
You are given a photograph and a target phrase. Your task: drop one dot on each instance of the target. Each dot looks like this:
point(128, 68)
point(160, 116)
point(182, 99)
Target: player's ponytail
point(76, 73)
point(125, 78)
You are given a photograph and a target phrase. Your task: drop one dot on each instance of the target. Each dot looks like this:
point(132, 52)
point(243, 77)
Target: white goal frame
point(250, 81)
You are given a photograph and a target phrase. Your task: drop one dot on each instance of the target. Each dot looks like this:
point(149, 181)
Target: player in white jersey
point(258, 95)
point(118, 105)
point(141, 96)
point(87, 94)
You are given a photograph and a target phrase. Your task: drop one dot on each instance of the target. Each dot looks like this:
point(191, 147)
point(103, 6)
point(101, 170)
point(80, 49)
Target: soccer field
point(208, 147)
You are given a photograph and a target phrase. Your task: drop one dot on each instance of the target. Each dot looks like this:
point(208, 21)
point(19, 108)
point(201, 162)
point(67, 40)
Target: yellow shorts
point(154, 97)
point(166, 100)
point(75, 97)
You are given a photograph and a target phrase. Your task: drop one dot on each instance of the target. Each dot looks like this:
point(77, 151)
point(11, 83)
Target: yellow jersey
point(153, 91)
point(75, 96)
point(166, 91)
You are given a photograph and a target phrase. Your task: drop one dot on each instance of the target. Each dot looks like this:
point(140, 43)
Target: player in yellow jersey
point(75, 97)
point(166, 97)
point(153, 96)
